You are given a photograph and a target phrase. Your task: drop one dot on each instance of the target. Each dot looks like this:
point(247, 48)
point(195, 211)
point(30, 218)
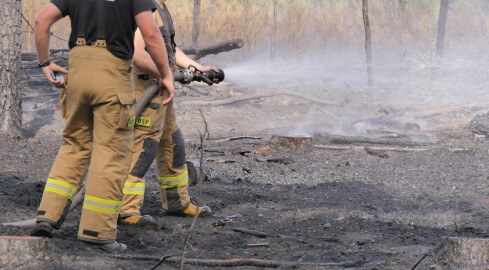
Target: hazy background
point(319, 52)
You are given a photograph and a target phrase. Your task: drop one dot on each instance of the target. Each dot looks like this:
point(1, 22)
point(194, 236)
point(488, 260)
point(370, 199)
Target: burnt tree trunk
point(442, 22)
point(196, 24)
point(10, 48)
point(368, 41)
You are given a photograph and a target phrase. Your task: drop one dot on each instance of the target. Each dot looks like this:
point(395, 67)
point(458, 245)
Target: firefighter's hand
point(167, 84)
point(49, 75)
point(215, 69)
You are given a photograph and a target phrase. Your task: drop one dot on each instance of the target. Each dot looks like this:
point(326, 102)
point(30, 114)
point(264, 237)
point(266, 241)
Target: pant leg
point(147, 134)
point(107, 83)
point(72, 160)
point(171, 166)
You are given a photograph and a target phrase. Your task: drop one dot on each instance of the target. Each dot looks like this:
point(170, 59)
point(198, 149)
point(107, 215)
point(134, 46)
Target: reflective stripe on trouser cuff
point(133, 189)
point(101, 205)
point(61, 188)
point(174, 181)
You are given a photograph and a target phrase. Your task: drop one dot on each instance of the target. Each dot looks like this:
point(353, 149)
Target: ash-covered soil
point(339, 202)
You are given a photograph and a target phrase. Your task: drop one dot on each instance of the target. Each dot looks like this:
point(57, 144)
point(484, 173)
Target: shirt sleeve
point(139, 6)
point(62, 5)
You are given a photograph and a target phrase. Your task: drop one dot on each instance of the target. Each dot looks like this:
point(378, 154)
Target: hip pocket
point(126, 114)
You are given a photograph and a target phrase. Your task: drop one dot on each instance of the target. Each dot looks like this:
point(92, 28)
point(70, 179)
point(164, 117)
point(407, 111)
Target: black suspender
point(82, 23)
point(100, 19)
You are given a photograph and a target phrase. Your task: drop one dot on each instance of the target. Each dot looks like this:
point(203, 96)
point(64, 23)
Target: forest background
point(309, 25)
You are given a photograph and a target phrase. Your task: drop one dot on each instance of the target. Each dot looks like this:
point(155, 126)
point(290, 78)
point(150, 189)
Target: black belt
point(143, 77)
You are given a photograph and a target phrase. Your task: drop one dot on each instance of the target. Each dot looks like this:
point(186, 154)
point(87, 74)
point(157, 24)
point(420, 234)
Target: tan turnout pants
point(97, 105)
point(156, 134)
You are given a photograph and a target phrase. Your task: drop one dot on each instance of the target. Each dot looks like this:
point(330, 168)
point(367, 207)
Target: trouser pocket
point(126, 115)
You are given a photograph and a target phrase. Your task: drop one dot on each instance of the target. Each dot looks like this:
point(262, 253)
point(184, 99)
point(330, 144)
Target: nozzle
point(216, 75)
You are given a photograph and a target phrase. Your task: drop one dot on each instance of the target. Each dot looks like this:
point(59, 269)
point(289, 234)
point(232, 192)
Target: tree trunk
point(10, 49)
point(442, 22)
point(274, 30)
point(196, 26)
point(368, 41)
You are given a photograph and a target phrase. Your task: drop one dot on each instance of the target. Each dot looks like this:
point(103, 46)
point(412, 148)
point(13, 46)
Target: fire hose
point(184, 76)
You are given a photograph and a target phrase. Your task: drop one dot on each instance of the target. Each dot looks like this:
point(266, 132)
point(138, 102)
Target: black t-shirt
point(119, 22)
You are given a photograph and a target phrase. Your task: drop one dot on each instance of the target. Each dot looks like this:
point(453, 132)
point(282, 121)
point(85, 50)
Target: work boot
point(138, 220)
point(191, 210)
point(114, 247)
point(43, 229)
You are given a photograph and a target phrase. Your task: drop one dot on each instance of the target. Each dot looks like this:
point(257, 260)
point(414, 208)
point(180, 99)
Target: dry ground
point(322, 208)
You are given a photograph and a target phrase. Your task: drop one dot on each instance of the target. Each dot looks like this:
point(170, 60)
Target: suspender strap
point(82, 22)
point(100, 19)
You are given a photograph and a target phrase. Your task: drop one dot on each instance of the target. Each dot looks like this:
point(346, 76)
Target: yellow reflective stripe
point(174, 181)
point(143, 121)
point(62, 183)
point(133, 188)
point(133, 192)
point(101, 205)
point(102, 201)
point(60, 187)
point(100, 209)
point(127, 184)
point(59, 191)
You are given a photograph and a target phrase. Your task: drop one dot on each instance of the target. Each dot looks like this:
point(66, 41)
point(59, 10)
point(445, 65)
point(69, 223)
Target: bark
point(368, 41)
point(196, 27)
point(442, 22)
point(10, 49)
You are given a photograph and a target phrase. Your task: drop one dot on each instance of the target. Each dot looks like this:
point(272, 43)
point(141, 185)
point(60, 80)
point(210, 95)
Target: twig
point(161, 261)
point(257, 96)
point(238, 262)
point(252, 232)
point(205, 126)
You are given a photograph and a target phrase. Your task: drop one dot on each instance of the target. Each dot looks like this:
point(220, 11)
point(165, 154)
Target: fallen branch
point(375, 148)
point(236, 262)
point(258, 96)
point(214, 49)
point(236, 138)
point(251, 232)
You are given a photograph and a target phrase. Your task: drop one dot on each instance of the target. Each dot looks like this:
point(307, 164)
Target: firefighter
point(97, 106)
point(157, 134)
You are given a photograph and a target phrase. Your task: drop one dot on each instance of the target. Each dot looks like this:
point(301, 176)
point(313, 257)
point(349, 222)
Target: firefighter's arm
point(142, 60)
point(156, 49)
point(48, 16)
point(183, 61)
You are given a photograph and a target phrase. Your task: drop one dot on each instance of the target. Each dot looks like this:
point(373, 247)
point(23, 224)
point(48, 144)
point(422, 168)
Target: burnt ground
point(332, 204)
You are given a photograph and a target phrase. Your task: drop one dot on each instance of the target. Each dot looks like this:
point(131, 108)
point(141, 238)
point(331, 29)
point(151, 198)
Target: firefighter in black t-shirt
point(97, 104)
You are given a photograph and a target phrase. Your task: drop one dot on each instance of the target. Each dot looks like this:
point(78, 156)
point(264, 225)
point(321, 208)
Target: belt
point(143, 77)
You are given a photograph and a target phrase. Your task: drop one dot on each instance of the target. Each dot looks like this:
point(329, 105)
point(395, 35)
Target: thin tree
point(196, 24)
point(368, 41)
point(10, 49)
point(442, 23)
point(274, 30)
